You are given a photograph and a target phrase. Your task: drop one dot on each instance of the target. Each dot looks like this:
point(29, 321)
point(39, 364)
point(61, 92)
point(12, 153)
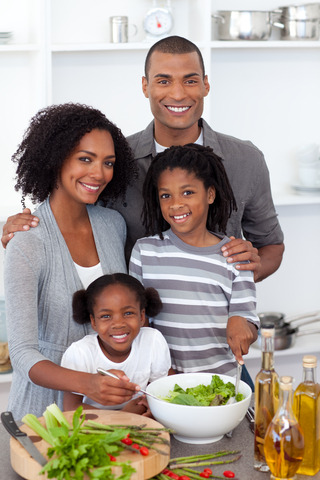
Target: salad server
point(109, 374)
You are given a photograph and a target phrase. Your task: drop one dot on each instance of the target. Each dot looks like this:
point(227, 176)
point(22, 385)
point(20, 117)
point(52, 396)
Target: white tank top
point(88, 274)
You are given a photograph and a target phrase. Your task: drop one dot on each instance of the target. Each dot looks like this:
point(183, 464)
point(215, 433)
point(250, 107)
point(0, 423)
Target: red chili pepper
point(208, 470)
point(136, 446)
point(112, 458)
point(144, 451)
point(165, 471)
point(184, 477)
point(126, 441)
point(228, 474)
point(204, 474)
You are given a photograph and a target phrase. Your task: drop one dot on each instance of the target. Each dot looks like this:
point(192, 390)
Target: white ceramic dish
point(196, 424)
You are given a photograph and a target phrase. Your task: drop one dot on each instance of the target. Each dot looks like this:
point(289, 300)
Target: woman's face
point(117, 318)
point(88, 169)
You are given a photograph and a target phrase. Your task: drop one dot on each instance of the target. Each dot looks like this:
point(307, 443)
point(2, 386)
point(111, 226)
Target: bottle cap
point(286, 382)
point(309, 361)
point(267, 330)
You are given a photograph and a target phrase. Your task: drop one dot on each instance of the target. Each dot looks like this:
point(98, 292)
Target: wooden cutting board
point(145, 466)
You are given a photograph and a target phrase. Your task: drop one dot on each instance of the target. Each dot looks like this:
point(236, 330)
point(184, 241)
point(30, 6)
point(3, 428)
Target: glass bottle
point(306, 407)
point(266, 396)
point(284, 442)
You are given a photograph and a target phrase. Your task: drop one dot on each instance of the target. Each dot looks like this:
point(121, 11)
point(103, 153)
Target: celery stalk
point(51, 421)
point(57, 413)
point(33, 422)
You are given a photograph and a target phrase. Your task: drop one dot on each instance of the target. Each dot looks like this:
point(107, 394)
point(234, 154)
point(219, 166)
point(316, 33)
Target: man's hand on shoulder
point(18, 223)
point(262, 262)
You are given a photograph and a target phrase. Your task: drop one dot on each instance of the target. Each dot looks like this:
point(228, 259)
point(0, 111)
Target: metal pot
point(308, 11)
point(282, 342)
point(300, 29)
point(242, 25)
point(285, 332)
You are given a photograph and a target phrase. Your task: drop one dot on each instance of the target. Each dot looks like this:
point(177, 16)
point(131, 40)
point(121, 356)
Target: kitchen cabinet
point(60, 51)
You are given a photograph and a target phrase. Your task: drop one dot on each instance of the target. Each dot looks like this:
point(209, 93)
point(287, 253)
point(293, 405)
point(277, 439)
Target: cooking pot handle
point(276, 24)
point(218, 17)
point(303, 316)
point(307, 332)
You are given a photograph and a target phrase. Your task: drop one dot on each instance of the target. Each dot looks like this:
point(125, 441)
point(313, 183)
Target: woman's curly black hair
point(84, 300)
point(51, 137)
point(206, 166)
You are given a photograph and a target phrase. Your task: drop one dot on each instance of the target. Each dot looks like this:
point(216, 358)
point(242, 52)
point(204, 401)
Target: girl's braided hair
point(84, 300)
point(207, 167)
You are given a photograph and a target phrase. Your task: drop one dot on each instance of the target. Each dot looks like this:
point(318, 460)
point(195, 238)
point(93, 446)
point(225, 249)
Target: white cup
point(308, 154)
point(309, 175)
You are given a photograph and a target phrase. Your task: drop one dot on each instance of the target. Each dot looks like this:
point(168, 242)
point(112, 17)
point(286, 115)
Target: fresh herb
point(216, 393)
point(89, 448)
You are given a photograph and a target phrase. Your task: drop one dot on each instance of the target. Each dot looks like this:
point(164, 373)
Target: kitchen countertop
point(242, 440)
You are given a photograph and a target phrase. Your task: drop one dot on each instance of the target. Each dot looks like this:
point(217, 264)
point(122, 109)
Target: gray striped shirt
point(199, 291)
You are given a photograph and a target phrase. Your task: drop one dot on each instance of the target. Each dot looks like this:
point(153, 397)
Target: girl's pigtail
point(153, 302)
point(79, 307)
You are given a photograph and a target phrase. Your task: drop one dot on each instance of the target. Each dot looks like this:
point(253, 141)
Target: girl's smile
point(184, 203)
point(117, 319)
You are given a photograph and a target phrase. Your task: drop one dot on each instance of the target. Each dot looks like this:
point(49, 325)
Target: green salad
point(216, 393)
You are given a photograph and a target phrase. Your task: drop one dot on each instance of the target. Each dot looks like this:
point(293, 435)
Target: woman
point(71, 157)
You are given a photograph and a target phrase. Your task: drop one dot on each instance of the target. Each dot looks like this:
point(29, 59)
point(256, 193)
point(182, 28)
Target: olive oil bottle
point(266, 396)
point(306, 407)
point(284, 440)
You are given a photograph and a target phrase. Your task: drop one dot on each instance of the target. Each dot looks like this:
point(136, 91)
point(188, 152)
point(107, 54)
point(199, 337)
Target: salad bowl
point(196, 424)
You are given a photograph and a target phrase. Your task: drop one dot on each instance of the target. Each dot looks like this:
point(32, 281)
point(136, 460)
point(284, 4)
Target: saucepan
point(307, 11)
point(287, 329)
point(243, 24)
point(300, 22)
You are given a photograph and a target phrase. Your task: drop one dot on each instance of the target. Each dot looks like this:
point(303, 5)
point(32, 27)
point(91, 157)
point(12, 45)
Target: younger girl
point(116, 306)
point(208, 316)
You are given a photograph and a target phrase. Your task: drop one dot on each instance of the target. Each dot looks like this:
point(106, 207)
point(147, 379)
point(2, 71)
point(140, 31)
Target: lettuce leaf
point(216, 393)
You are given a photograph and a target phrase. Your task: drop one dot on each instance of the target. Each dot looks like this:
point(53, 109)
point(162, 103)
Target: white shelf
point(216, 44)
point(21, 47)
point(269, 44)
point(94, 47)
point(291, 198)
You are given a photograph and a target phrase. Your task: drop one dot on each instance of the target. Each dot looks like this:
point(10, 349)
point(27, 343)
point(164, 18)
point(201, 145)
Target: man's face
point(176, 89)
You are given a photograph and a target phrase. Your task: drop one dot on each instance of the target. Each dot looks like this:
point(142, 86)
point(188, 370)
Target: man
point(176, 85)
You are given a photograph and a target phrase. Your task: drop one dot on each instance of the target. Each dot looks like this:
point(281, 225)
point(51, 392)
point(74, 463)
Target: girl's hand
point(240, 335)
point(111, 391)
point(138, 405)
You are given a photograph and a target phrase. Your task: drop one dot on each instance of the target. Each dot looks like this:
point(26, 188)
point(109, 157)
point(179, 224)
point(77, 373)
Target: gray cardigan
point(40, 279)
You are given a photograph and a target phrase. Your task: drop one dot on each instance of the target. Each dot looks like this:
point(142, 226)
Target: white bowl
point(193, 424)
